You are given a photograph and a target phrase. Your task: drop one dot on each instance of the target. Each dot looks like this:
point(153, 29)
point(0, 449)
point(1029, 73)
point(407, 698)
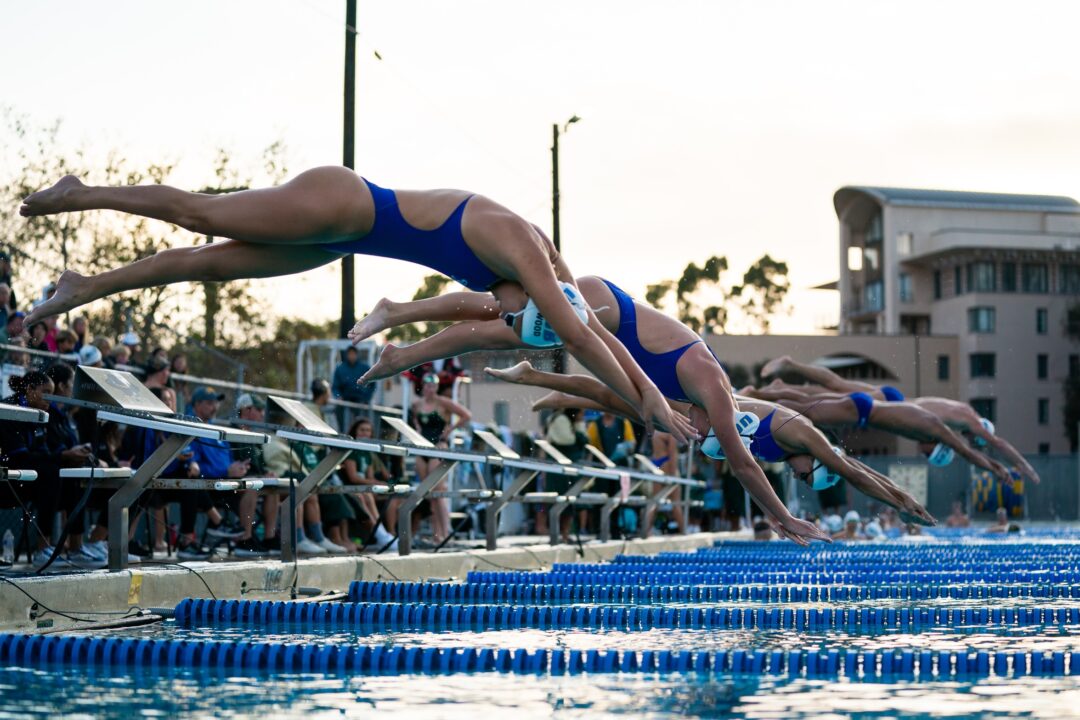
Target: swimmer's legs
point(316, 206)
point(815, 375)
point(575, 385)
point(458, 339)
point(216, 262)
point(453, 307)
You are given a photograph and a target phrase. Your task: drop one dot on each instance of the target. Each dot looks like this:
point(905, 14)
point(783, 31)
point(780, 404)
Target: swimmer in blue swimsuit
point(327, 212)
point(663, 348)
point(827, 381)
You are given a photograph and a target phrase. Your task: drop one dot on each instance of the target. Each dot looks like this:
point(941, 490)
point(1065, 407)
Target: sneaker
point(382, 536)
point(307, 547)
point(42, 556)
point(224, 531)
point(378, 547)
point(137, 548)
point(250, 547)
point(272, 546)
point(192, 551)
point(84, 559)
point(98, 548)
point(332, 547)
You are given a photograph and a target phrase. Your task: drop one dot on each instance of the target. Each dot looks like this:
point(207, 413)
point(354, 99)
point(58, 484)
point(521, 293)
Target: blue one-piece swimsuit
point(659, 367)
point(443, 249)
point(864, 405)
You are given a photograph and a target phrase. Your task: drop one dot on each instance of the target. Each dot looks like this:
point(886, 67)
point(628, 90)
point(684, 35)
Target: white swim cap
point(746, 423)
point(833, 523)
point(852, 516)
point(989, 427)
point(941, 455)
point(823, 478)
point(535, 330)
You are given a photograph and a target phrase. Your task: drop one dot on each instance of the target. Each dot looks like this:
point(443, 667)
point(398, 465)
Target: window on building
point(1008, 277)
point(942, 367)
point(1034, 278)
point(871, 258)
point(937, 284)
point(906, 293)
point(1042, 366)
point(958, 280)
point(983, 365)
point(1069, 279)
point(1044, 448)
point(874, 233)
point(854, 259)
point(982, 277)
point(986, 407)
point(873, 297)
point(905, 244)
point(1041, 321)
point(1044, 411)
point(1074, 366)
point(981, 319)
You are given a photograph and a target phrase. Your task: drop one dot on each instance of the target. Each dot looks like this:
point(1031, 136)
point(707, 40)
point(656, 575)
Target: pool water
point(104, 691)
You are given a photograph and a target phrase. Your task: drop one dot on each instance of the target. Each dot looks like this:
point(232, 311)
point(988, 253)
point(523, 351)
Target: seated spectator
point(282, 462)
point(15, 325)
point(320, 397)
point(958, 518)
point(156, 372)
point(80, 327)
point(36, 340)
point(614, 437)
point(131, 341)
point(1002, 524)
point(5, 303)
point(5, 277)
point(852, 529)
point(14, 357)
point(178, 365)
point(103, 344)
point(119, 355)
point(51, 330)
point(762, 531)
point(364, 468)
point(90, 356)
point(250, 408)
point(65, 342)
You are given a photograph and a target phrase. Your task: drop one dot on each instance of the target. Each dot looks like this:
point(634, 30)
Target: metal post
point(491, 520)
point(405, 512)
point(333, 458)
point(348, 299)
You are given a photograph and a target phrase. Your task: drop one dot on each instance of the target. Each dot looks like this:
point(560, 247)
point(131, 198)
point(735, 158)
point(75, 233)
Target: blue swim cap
point(941, 455)
point(989, 427)
point(823, 478)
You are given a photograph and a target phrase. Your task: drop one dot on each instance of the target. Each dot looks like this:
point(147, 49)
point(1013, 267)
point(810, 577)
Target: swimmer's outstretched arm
point(926, 423)
point(902, 500)
point(1010, 453)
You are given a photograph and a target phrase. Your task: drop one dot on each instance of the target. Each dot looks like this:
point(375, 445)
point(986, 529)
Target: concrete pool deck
point(104, 596)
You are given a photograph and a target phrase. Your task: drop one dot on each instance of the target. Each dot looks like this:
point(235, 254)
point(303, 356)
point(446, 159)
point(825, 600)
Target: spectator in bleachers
point(852, 528)
point(958, 518)
point(156, 372)
point(90, 356)
point(81, 329)
point(364, 468)
point(665, 455)
point(250, 408)
point(15, 325)
point(65, 342)
point(344, 386)
point(119, 355)
point(178, 365)
point(320, 397)
point(5, 304)
point(36, 341)
point(283, 462)
point(614, 437)
point(14, 357)
point(131, 341)
point(762, 531)
point(159, 353)
point(5, 277)
point(563, 434)
point(44, 449)
point(103, 344)
point(431, 415)
point(51, 330)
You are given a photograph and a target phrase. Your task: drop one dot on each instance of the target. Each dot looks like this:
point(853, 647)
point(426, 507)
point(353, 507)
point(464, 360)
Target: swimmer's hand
point(912, 512)
point(655, 410)
point(799, 531)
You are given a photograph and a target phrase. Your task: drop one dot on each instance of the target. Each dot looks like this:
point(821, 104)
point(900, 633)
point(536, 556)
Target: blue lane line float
point(227, 657)
point(208, 613)
point(488, 593)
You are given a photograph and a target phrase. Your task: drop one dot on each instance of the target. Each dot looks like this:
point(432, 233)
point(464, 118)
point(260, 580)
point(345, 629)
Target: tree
point(689, 310)
point(765, 285)
point(431, 286)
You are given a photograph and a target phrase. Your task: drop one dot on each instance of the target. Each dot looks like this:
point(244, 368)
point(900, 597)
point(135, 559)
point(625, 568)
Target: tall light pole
point(348, 299)
point(558, 359)
point(555, 236)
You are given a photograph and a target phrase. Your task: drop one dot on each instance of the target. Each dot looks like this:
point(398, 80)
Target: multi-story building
point(998, 272)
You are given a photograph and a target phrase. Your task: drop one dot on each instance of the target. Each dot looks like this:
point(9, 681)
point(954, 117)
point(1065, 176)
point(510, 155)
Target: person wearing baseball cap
point(90, 356)
point(249, 400)
point(205, 393)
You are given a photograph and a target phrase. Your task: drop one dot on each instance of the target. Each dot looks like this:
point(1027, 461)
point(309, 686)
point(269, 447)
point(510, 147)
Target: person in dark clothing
point(345, 387)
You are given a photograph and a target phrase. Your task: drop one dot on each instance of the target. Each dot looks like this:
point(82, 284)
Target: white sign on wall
point(912, 478)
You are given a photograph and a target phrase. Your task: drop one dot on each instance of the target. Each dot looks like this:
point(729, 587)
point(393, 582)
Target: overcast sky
point(707, 127)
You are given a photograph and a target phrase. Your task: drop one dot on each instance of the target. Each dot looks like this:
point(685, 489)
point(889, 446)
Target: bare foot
point(519, 374)
point(775, 366)
point(72, 290)
point(55, 199)
point(389, 364)
point(554, 400)
point(375, 321)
